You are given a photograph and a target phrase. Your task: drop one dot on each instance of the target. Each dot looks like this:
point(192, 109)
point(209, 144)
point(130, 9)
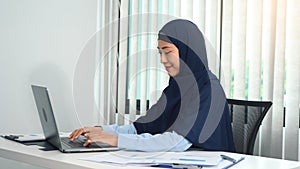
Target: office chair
point(246, 117)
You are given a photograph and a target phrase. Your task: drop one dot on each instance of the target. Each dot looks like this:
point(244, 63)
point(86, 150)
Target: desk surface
point(55, 159)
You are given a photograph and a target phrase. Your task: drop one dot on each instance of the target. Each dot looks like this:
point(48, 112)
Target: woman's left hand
point(103, 137)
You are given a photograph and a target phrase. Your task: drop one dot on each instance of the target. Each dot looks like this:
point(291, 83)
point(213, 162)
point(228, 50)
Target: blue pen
point(225, 157)
point(189, 159)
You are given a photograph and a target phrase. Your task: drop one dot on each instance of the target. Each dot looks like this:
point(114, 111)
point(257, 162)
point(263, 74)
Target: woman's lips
point(168, 68)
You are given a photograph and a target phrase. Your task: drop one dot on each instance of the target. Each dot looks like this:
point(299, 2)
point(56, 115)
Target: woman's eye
point(166, 53)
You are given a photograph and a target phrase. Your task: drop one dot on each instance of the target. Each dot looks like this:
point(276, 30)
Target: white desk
point(55, 159)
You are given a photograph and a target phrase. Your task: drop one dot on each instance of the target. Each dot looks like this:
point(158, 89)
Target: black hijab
point(193, 104)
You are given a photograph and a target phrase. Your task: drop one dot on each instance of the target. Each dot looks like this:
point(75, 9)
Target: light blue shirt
point(130, 140)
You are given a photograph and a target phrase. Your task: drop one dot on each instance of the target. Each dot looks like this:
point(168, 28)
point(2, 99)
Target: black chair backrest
point(246, 117)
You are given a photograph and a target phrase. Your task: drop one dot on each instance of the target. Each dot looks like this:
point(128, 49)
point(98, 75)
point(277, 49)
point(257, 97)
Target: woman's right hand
point(81, 131)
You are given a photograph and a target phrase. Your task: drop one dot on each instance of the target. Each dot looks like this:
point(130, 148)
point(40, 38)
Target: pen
point(185, 166)
point(188, 159)
point(225, 157)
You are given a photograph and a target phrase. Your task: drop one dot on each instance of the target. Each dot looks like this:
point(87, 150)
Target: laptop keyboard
point(78, 143)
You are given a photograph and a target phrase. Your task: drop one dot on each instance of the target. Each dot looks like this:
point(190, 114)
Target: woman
point(192, 110)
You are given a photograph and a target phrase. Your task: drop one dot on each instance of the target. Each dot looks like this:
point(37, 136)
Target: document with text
point(198, 158)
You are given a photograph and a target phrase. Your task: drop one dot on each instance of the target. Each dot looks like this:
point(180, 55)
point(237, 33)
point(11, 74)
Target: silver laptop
point(64, 144)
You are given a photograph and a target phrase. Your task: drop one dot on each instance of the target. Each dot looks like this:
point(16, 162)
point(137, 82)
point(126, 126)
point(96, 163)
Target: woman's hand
point(103, 137)
point(81, 131)
point(94, 134)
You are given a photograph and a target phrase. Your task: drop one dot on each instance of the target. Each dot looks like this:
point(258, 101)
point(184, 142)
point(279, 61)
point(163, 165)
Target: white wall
point(40, 42)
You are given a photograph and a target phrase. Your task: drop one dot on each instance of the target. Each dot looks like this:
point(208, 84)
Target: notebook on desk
point(64, 144)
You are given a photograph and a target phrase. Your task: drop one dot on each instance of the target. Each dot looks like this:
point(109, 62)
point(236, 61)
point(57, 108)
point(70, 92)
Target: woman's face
point(169, 57)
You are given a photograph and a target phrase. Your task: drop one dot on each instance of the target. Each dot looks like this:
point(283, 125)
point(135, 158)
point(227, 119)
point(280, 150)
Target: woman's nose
point(163, 58)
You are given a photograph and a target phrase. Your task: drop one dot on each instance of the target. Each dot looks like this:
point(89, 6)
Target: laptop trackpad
point(100, 144)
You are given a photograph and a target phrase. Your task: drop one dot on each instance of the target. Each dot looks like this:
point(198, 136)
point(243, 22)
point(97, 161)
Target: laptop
point(64, 144)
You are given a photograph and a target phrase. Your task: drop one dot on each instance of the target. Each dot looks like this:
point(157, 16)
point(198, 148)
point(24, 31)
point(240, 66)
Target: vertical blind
point(145, 75)
point(253, 47)
point(259, 45)
point(292, 50)
point(106, 76)
point(275, 122)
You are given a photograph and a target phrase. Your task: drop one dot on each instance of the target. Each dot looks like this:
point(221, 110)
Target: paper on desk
point(224, 164)
point(154, 158)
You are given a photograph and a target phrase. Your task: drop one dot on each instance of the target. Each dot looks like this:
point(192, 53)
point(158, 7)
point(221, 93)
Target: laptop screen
point(47, 119)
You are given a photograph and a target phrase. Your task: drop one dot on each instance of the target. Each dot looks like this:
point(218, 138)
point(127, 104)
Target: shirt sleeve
point(168, 141)
point(115, 129)
point(130, 140)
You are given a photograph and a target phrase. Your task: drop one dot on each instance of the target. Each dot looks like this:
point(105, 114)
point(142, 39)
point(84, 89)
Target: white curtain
point(260, 51)
point(292, 80)
point(107, 38)
point(141, 76)
point(253, 48)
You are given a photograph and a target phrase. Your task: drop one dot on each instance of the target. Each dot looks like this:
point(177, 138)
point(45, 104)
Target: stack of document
point(189, 158)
